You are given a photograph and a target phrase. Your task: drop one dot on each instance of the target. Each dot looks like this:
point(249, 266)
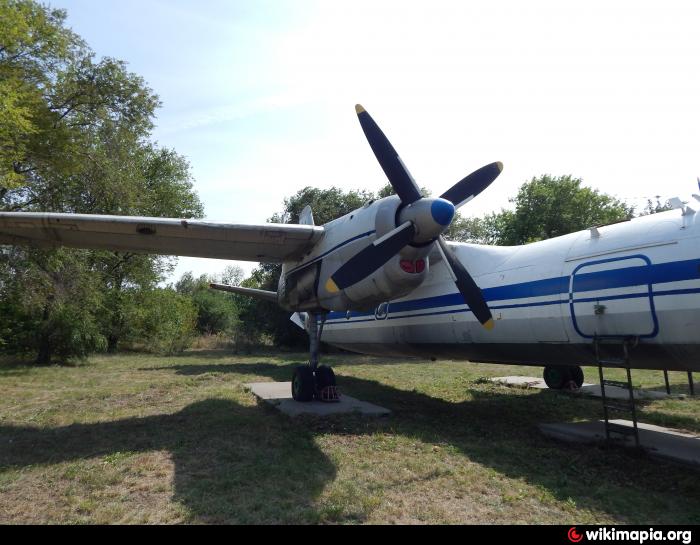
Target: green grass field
point(144, 439)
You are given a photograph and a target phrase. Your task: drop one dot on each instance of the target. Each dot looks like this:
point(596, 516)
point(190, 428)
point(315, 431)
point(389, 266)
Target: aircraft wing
point(269, 242)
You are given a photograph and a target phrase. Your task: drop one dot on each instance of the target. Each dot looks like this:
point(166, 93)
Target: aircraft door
point(613, 297)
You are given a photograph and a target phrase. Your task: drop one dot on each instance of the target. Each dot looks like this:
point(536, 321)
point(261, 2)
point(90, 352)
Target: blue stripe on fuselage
point(659, 273)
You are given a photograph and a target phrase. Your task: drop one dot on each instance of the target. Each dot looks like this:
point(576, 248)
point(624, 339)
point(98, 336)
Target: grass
point(144, 439)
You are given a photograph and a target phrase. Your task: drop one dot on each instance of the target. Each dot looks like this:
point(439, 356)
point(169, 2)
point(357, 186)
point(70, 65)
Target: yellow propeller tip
point(359, 109)
point(332, 286)
point(489, 324)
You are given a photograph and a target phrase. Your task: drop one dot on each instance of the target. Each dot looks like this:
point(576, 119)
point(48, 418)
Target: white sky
point(259, 96)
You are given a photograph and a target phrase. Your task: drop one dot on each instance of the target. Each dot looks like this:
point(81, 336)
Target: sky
point(259, 95)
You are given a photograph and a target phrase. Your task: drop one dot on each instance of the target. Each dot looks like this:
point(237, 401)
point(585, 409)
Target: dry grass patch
point(144, 439)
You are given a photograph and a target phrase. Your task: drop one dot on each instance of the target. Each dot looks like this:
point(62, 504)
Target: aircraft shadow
point(228, 468)
point(333, 357)
point(238, 464)
point(499, 430)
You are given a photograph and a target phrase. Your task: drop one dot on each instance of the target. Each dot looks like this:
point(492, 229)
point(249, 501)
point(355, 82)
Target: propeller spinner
point(421, 220)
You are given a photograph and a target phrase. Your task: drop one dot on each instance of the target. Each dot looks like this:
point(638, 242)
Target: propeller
point(368, 260)
point(423, 220)
point(400, 179)
point(465, 284)
point(473, 184)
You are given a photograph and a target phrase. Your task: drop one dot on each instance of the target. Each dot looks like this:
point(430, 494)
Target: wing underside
point(270, 242)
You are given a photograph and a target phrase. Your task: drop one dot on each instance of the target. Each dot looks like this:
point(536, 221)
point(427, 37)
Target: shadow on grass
point(11, 365)
point(291, 358)
point(239, 464)
point(233, 464)
point(499, 430)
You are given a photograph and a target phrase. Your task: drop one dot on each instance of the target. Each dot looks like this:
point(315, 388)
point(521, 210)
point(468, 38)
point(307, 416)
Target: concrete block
point(593, 390)
point(279, 395)
point(658, 441)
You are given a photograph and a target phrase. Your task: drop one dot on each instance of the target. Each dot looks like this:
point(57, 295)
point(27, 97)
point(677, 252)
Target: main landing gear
point(560, 377)
point(314, 381)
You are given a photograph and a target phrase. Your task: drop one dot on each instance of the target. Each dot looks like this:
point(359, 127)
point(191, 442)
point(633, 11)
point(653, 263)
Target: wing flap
point(270, 242)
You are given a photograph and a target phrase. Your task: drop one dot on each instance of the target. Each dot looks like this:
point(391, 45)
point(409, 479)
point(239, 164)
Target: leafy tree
point(217, 311)
point(34, 47)
point(327, 204)
point(232, 275)
point(164, 321)
point(386, 191)
point(486, 230)
point(49, 304)
point(74, 137)
point(549, 206)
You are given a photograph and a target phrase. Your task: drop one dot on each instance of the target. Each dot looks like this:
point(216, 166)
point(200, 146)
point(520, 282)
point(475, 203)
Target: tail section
point(307, 216)
point(250, 292)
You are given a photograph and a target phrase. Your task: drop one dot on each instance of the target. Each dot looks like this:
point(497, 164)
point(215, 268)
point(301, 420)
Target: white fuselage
point(638, 279)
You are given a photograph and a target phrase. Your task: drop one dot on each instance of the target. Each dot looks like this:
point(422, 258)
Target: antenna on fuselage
point(675, 203)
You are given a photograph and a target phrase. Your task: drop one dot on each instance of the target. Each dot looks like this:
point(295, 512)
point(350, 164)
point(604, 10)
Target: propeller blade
point(399, 177)
point(369, 259)
point(466, 286)
point(469, 187)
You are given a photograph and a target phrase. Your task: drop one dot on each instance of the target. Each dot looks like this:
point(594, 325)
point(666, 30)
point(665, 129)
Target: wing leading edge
point(270, 242)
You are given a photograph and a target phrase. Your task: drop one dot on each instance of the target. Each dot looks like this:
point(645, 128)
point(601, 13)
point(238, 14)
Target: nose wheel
point(314, 381)
point(303, 383)
point(308, 385)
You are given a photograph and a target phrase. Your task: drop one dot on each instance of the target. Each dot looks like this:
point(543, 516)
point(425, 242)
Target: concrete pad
point(522, 382)
point(611, 392)
point(279, 395)
point(657, 441)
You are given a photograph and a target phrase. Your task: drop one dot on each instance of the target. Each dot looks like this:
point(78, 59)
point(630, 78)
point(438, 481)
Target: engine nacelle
point(391, 281)
point(302, 288)
point(399, 276)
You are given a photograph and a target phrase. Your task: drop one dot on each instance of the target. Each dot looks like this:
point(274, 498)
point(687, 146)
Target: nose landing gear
point(308, 385)
point(314, 381)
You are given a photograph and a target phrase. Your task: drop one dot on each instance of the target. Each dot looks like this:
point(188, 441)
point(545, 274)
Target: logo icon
point(573, 535)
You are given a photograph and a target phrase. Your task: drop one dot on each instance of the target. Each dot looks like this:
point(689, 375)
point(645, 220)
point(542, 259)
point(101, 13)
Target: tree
point(49, 305)
point(549, 206)
point(164, 321)
point(74, 137)
point(34, 48)
point(327, 204)
point(486, 230)
point(217, 311)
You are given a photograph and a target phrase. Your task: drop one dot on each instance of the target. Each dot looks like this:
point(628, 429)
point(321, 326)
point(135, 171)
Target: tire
point(324, 377)
point(556, 376)
point(576, 374)
point(303, 383)
point(325, 384)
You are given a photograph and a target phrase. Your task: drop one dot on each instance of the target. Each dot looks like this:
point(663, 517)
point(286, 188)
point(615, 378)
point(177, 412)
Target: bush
point(163, 320)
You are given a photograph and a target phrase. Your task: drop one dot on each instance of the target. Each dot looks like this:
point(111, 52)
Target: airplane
point(382, 280)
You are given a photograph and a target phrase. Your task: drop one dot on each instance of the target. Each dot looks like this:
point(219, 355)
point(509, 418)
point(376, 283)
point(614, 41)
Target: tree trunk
point(44, 355)
point(112, 343)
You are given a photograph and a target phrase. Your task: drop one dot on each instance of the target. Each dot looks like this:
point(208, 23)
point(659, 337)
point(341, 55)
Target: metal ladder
point(625, 343)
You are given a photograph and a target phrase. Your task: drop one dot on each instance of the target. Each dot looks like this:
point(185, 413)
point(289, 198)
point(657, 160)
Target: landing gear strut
point(314, 381)
point(560, 377)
